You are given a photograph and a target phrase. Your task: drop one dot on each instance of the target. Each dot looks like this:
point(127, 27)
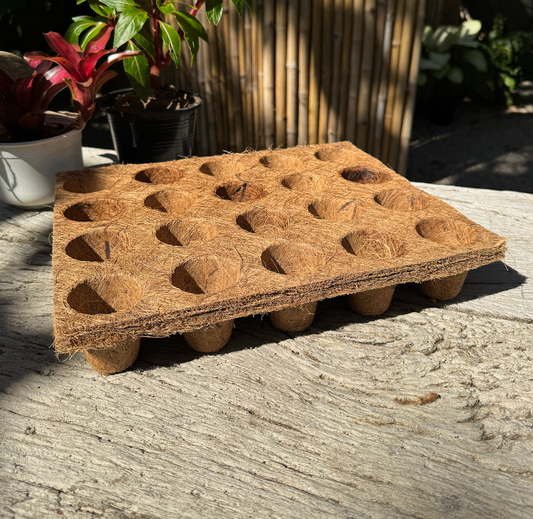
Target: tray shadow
point(332, 314)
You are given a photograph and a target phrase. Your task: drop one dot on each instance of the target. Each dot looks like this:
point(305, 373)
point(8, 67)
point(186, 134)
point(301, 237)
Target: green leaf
point(239, 5)
point(172, 42)
point(439, 41)
point(138, 72)
point(90, 34)
point(101, 9)
point(192, 30)
point(214, 10)
point(427, 35)
point(440, 58)
point(186, 19)
point(165, 7)
point(81, 23)
point(468, 30)
point(508, 81)
point(145, 40)
point(130, 22)
point(455, 75)
point(476, 58)
point(119, 5)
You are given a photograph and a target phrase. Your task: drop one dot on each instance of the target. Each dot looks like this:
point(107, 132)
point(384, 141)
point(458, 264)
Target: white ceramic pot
point(28, 169)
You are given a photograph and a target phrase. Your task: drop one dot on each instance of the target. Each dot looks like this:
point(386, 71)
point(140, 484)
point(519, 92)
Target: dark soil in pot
point(167, 98)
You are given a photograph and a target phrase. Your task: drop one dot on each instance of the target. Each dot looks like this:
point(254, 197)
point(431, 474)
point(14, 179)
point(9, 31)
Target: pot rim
point(55, 116)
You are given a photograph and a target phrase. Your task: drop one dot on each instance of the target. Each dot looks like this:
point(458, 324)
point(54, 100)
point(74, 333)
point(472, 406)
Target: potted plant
point(448, 54)
point(151, 123)
point(34, 142)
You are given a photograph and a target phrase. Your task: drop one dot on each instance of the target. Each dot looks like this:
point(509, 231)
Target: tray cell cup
point(172, 202)
point(336, 153)
point(293, 260)
point(159, 175)
point(94, 211)
point(281, 161)
point(305, 183)
point(448, 232)
point(364, 175)
point(336, 209)
point(99, 246)
point(241, 192)
point(182, 233)
point(373, 244)
point(402, 200)
point(106, 296)
point(263, 221)
point(207, 275)
point(89, 183)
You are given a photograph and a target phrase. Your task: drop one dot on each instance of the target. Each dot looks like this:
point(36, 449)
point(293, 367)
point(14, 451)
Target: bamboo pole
point(402, 80)
point(257, 72)
point(292, 74)
point(345, 69)
point(393, 77)
point(333, 113)
point(235, 75)
point(317, 42)
point(216, 87)
point(363, 111)
point(411, 93)
point(355, 64)
point(268, 73)
point(281, 72)
point(205, 114)
point(245, 46)
point(229, 90)
point(328, 7)
point(377, 71)
point(383, 82)
point(304, 33)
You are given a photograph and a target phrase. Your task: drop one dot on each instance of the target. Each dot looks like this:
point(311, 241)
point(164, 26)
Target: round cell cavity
point(241, 191)
point(205, 275)
point(292, 260)
point(105, 295)
point(95, 211)
point(159, 175)
point(172, 202)
point(186, 232)
point(405, 201)
point(373, 244)
point(263, 221)
point(336, 209)
point(99, 246)
point(363, 175)
point(446, 231)
point(88, 183)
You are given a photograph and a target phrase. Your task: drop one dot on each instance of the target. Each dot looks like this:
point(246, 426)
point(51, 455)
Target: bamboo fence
point(309, 72)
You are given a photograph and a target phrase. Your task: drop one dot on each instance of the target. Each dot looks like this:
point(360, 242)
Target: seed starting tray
point(159, 249)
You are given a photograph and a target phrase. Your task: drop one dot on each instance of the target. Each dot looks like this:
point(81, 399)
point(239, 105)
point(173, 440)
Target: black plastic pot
point(153, 136)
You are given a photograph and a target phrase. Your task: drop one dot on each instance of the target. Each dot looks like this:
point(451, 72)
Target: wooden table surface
point(279, 424)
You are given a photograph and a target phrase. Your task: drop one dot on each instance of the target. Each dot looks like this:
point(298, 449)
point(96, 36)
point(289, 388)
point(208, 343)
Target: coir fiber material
point(157, 249)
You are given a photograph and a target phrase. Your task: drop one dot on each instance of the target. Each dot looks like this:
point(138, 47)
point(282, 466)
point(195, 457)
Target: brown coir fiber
point(295, 318)
point(159, 249)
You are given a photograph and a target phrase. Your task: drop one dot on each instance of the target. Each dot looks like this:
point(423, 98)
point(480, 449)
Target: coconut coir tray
point(187, 246)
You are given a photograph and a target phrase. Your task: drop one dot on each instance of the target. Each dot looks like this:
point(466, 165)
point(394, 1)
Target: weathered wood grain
point(279, 425)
